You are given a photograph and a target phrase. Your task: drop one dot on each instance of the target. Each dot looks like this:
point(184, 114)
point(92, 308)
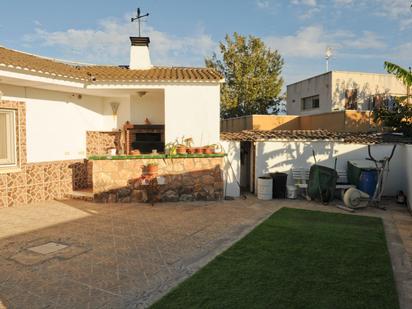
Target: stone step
point(84, 195)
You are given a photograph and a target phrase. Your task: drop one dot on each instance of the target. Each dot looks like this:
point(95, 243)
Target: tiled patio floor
point(126, 256)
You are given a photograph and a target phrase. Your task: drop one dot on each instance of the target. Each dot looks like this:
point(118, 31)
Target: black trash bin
point(279, 184)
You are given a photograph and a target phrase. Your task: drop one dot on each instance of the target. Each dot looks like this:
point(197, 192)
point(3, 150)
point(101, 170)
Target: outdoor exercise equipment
point(354, 198)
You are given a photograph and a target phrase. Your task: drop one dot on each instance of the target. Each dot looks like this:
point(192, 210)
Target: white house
point(53, 114)
point(339, 90)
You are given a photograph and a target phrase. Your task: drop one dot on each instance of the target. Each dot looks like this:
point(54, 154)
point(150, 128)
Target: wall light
point(115, 107)
point(142, 93)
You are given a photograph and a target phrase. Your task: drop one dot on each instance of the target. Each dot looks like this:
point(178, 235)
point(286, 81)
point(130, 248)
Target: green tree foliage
point(252, 75)
point(402, 74)
point(400, 116)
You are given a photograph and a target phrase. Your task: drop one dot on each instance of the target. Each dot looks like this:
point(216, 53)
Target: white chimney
point(139, 53)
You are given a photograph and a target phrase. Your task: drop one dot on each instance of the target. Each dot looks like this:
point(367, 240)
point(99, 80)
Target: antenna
point(328, 55)
point(138, 19)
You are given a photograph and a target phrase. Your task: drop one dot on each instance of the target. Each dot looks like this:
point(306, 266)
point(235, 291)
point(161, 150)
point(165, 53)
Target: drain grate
point(48, 248)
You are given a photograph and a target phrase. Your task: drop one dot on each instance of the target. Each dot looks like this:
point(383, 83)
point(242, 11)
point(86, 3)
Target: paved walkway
point(127, 256)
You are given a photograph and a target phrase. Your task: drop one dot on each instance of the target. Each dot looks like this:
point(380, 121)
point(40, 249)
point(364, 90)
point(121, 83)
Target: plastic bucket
point(292, 192)
point(264, 188)
point(367, 181)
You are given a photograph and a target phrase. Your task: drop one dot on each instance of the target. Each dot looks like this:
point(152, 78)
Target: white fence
point(231, 168)
point(282, 156)
point(408, 168)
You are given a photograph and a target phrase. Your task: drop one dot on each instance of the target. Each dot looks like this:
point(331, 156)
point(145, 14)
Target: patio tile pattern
point(129, 255)
point(120, 256)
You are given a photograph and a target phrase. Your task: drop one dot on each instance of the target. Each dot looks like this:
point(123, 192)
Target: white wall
point(408, 168)
point(150, 106)
point(331, 88)
point(193, 111)
point(231, 168)
point(367, 85)
point(282, 156)
point(319, 85)
point(111, 122)
point(56, 122)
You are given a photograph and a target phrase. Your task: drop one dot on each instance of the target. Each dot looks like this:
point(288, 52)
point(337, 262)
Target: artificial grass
point(297, 259)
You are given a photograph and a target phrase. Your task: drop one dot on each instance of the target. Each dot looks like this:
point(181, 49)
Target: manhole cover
point(50, 247)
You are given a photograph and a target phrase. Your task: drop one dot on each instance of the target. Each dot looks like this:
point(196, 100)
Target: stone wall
point(34, 182)
point(98, 143)
point(186, 179)
point(37, 182)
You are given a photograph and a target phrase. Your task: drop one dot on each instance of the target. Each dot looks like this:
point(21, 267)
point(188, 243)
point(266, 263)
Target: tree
point(399, 116)
point(403, 75)
point(252, 76)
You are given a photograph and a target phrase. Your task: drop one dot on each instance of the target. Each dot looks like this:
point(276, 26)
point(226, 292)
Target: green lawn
point(297, 259)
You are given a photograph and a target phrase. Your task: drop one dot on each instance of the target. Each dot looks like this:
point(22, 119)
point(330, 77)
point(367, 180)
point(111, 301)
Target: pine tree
point(252, 73)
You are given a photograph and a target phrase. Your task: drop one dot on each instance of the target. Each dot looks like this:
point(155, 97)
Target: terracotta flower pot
point(209, 150)
point(191, 150)
point(198, 150)
point(152, 169)
point(181, 150)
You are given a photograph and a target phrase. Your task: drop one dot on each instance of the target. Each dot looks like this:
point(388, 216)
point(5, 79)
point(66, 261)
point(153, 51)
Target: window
point(7, 137)
point(310, 102)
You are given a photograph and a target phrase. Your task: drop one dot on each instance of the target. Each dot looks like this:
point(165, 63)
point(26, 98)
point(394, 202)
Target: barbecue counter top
point(154, 156)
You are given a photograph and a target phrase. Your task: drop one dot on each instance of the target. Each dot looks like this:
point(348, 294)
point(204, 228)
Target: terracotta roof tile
point(101, 73)
point(293, 135)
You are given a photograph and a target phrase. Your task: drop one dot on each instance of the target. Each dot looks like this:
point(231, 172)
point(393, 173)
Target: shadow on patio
point(117, 255)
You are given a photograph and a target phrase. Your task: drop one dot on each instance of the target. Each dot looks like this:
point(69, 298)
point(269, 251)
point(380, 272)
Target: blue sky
point(362, 33)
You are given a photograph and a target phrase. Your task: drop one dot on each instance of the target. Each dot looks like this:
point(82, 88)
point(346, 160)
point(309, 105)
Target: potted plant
point(180, 149)
point(190, 150)
point(170, 148)
point(189, 145)
point(218, 149)
point(209, 149)
point(152, 168)
point(199, 150)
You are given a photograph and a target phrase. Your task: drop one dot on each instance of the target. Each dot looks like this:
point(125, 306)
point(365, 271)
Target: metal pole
point(408, 89)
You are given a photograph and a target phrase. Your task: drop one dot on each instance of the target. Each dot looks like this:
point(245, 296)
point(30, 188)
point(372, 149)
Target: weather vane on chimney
point(138, 18)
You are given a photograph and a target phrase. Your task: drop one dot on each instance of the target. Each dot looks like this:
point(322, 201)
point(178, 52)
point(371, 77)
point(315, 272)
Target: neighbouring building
point(341, 121)
point(55, 114)
point(339, 90)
